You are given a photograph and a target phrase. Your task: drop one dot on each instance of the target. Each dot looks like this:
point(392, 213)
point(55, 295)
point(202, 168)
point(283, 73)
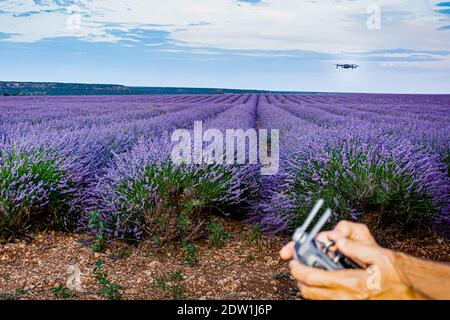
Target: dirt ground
point(246, 267)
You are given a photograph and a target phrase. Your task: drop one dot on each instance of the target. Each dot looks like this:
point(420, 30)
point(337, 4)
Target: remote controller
point(313, 253)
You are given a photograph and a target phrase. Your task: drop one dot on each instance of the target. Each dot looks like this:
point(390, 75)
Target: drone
point(312, 252)
point(347, 66)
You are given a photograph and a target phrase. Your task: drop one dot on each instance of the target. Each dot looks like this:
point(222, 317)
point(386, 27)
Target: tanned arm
point(431, 279)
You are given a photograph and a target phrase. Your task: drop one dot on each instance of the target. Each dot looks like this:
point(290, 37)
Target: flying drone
point(347, 66)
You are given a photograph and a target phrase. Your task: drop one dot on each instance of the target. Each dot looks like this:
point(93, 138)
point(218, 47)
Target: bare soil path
point(246, 267)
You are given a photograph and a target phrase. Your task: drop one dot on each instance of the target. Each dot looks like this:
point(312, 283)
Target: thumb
point(287, 252)
point(359, 252)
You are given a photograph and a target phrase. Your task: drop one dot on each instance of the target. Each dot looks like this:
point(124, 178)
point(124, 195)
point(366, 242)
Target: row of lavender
point(381, 159)
point(103, 162)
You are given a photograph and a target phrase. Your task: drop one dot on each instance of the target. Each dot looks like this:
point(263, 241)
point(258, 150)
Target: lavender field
point(102, 164)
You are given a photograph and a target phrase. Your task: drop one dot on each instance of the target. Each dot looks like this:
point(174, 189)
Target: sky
point(402, 46)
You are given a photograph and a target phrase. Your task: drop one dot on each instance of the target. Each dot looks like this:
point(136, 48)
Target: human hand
point(380, 276)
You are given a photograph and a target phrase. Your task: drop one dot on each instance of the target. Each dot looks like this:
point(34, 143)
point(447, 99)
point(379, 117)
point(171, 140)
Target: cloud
point(5, 35)
point(444, 11)
point(406, 55)
point(251, 1)
point(443, 4)
point(323, 26)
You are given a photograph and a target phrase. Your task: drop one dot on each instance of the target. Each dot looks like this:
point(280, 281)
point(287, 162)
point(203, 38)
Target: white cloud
point(329, 26)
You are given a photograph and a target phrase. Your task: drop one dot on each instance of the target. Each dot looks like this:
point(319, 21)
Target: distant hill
point(55, 88)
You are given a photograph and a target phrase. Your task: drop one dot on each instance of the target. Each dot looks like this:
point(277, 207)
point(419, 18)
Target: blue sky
point(254, 44)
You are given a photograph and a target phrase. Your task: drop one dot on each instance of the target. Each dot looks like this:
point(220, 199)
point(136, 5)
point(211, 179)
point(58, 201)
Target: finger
point(346, 229)
point(315, 277)
point(324, 241)
point(359, 252)
point(287, 253)
point(320, 293)
point(324, 237)
point(335, 235)
point(354, 231)
point(316, 293)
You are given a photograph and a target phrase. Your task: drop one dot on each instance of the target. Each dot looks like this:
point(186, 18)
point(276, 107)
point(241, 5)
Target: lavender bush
point(360, 167)
point(145, 194)
point(36, 189)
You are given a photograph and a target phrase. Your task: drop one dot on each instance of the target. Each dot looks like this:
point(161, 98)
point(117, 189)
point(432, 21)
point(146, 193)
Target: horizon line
point(256, 91)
